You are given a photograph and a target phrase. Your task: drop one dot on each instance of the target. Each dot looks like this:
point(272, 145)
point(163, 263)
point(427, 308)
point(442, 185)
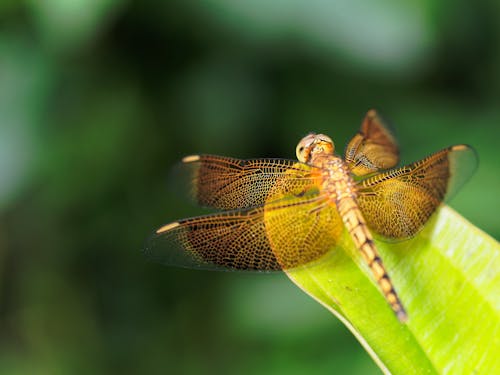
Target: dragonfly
point(279, 214)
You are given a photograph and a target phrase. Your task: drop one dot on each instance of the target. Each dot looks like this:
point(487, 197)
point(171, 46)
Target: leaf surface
point(448, 277)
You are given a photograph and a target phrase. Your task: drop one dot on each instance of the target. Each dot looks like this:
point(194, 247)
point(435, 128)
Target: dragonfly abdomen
point(362, 238)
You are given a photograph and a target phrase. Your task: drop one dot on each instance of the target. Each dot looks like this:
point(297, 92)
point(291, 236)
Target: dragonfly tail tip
point(402, 316)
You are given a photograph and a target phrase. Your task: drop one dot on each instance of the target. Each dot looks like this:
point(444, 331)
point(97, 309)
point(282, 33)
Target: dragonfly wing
point(227, 183)
point(397, 203)
point(289, 231)
point(372, 148)
point(233, 240)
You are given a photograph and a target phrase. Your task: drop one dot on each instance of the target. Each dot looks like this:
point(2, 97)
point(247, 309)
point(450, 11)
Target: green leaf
point(448, 278)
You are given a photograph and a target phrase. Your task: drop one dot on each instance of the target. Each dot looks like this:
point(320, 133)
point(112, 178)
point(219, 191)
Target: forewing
point(397, 203)
point(227, 183)
point(373, 148)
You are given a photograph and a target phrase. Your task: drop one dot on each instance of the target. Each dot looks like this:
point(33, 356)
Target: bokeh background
point(99, 99)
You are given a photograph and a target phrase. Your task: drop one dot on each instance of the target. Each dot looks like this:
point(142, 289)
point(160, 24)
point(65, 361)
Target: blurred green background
point(99, 99)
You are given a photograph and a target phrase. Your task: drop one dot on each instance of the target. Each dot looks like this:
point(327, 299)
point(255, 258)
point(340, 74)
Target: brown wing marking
point(227, 183)
point(233, 240)
point(397, 203)
point(372, 148)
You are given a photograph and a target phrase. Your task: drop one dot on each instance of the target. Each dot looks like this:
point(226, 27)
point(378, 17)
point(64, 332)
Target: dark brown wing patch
point(227, 183)
point(372, 148)
point(234, 240)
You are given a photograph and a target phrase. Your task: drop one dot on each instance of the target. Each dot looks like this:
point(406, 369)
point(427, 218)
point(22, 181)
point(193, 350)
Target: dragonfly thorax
point(337, 181)
point(312, 145)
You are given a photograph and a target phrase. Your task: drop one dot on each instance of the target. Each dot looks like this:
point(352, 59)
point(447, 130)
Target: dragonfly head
point(313, 144)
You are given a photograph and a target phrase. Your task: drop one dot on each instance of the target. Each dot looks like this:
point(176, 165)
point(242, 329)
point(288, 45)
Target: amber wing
point(299, 229)
point(234, 240)
point(228, 183)
point(293, 219)
point(372, 148)
point(397, 203)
